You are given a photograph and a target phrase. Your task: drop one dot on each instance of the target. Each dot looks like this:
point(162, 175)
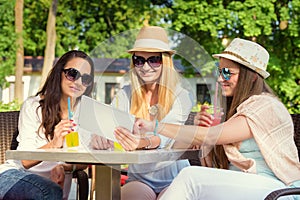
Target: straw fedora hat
point(152, 39)
point(247, 53)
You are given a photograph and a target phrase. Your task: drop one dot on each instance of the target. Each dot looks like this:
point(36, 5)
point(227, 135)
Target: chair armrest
point(82, 184)
point(190, 154)
point(282, 192)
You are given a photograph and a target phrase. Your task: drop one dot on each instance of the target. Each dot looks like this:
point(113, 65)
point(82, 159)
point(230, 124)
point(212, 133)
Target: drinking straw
point(70, 115)
point(216, 97)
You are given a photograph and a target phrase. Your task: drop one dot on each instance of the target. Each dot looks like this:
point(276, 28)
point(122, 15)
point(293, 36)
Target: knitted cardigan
point(273, 131)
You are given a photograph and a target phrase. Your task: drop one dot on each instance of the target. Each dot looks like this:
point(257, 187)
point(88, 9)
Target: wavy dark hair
point(51, 92)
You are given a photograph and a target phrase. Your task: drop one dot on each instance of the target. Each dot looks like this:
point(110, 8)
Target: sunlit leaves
point(274, 24)
point(7, 40)
point(86, 24)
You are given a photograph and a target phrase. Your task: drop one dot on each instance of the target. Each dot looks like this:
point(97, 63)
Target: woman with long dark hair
point(43, 124)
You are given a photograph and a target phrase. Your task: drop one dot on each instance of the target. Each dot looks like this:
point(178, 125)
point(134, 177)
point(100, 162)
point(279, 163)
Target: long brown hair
point(249, 83)
point(51, 92)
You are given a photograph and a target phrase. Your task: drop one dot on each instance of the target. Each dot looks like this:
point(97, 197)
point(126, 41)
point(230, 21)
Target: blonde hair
point(166, 92)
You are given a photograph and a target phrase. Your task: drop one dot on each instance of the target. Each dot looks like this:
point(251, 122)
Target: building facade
point(110, 76)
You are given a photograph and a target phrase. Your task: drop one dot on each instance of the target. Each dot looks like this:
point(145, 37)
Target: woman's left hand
point(99, 142)
point(57, 175)
point(128, 141)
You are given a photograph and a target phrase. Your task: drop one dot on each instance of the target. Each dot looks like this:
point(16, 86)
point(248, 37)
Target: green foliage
point(34, 26)
point(7, 40)
point(14, 105)
point(273, 24)
point(85, 25)
point(88, 25)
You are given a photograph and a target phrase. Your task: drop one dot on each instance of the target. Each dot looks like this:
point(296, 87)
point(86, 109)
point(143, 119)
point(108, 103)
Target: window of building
point(111, 90)
point(203, 94)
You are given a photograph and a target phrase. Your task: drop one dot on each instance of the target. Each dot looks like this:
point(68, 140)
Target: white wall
point(8, 93)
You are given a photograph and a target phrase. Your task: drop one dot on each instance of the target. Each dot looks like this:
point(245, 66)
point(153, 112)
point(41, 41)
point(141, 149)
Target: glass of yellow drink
point(118, 147)
point(72, 139)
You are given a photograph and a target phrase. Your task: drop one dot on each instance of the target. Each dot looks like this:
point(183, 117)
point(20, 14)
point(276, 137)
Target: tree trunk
point(18, 94)
point(51, 40)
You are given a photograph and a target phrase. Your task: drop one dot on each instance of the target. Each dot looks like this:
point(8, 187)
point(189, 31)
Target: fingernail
point(74, 124)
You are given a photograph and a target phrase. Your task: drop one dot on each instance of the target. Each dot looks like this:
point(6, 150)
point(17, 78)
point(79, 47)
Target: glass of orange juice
point(72, 139)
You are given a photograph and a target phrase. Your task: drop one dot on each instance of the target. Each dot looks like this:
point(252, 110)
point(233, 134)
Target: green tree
point(7, 40)
point(273, 24)
point(85, 25)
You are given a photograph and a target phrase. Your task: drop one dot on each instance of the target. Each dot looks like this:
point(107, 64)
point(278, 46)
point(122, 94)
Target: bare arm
point(235, 130)
point(231, 131)
point(60, 131)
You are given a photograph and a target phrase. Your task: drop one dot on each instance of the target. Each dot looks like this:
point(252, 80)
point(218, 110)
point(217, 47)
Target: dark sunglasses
point(153, 61)
point(73, 74)
point(226, 73)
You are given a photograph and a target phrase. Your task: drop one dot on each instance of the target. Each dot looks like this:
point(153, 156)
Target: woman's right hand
point(203, 118)
point(99, 143)
point(57, 175)
point(142, 126)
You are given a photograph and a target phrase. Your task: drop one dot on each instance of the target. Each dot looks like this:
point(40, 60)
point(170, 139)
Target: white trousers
point(196, 183)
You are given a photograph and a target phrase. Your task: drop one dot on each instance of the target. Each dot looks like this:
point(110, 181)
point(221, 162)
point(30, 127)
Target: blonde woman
point(154, 93)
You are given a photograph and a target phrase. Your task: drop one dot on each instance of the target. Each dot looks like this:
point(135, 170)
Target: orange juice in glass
point(72, 139)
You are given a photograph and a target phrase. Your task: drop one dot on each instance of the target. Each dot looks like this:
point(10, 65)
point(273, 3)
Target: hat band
point(236, 55)
point(151, 43)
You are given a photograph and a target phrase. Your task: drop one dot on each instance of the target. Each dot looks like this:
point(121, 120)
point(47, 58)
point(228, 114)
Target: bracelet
point(150, 143)
point(156, 126)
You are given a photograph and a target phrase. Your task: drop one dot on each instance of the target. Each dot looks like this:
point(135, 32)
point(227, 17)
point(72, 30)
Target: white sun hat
point(152, 39)
point(247, 53)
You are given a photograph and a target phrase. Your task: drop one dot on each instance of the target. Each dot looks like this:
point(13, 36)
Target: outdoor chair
point(8, 135)
point(194, 160)
point(289, 191)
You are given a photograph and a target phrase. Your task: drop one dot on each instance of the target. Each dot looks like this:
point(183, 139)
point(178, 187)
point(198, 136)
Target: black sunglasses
point(226, 73)
point(153, 61)
point(73, 74)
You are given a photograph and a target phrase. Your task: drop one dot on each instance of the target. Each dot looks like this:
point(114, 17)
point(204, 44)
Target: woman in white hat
point(257, 135)
point(154, 93)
